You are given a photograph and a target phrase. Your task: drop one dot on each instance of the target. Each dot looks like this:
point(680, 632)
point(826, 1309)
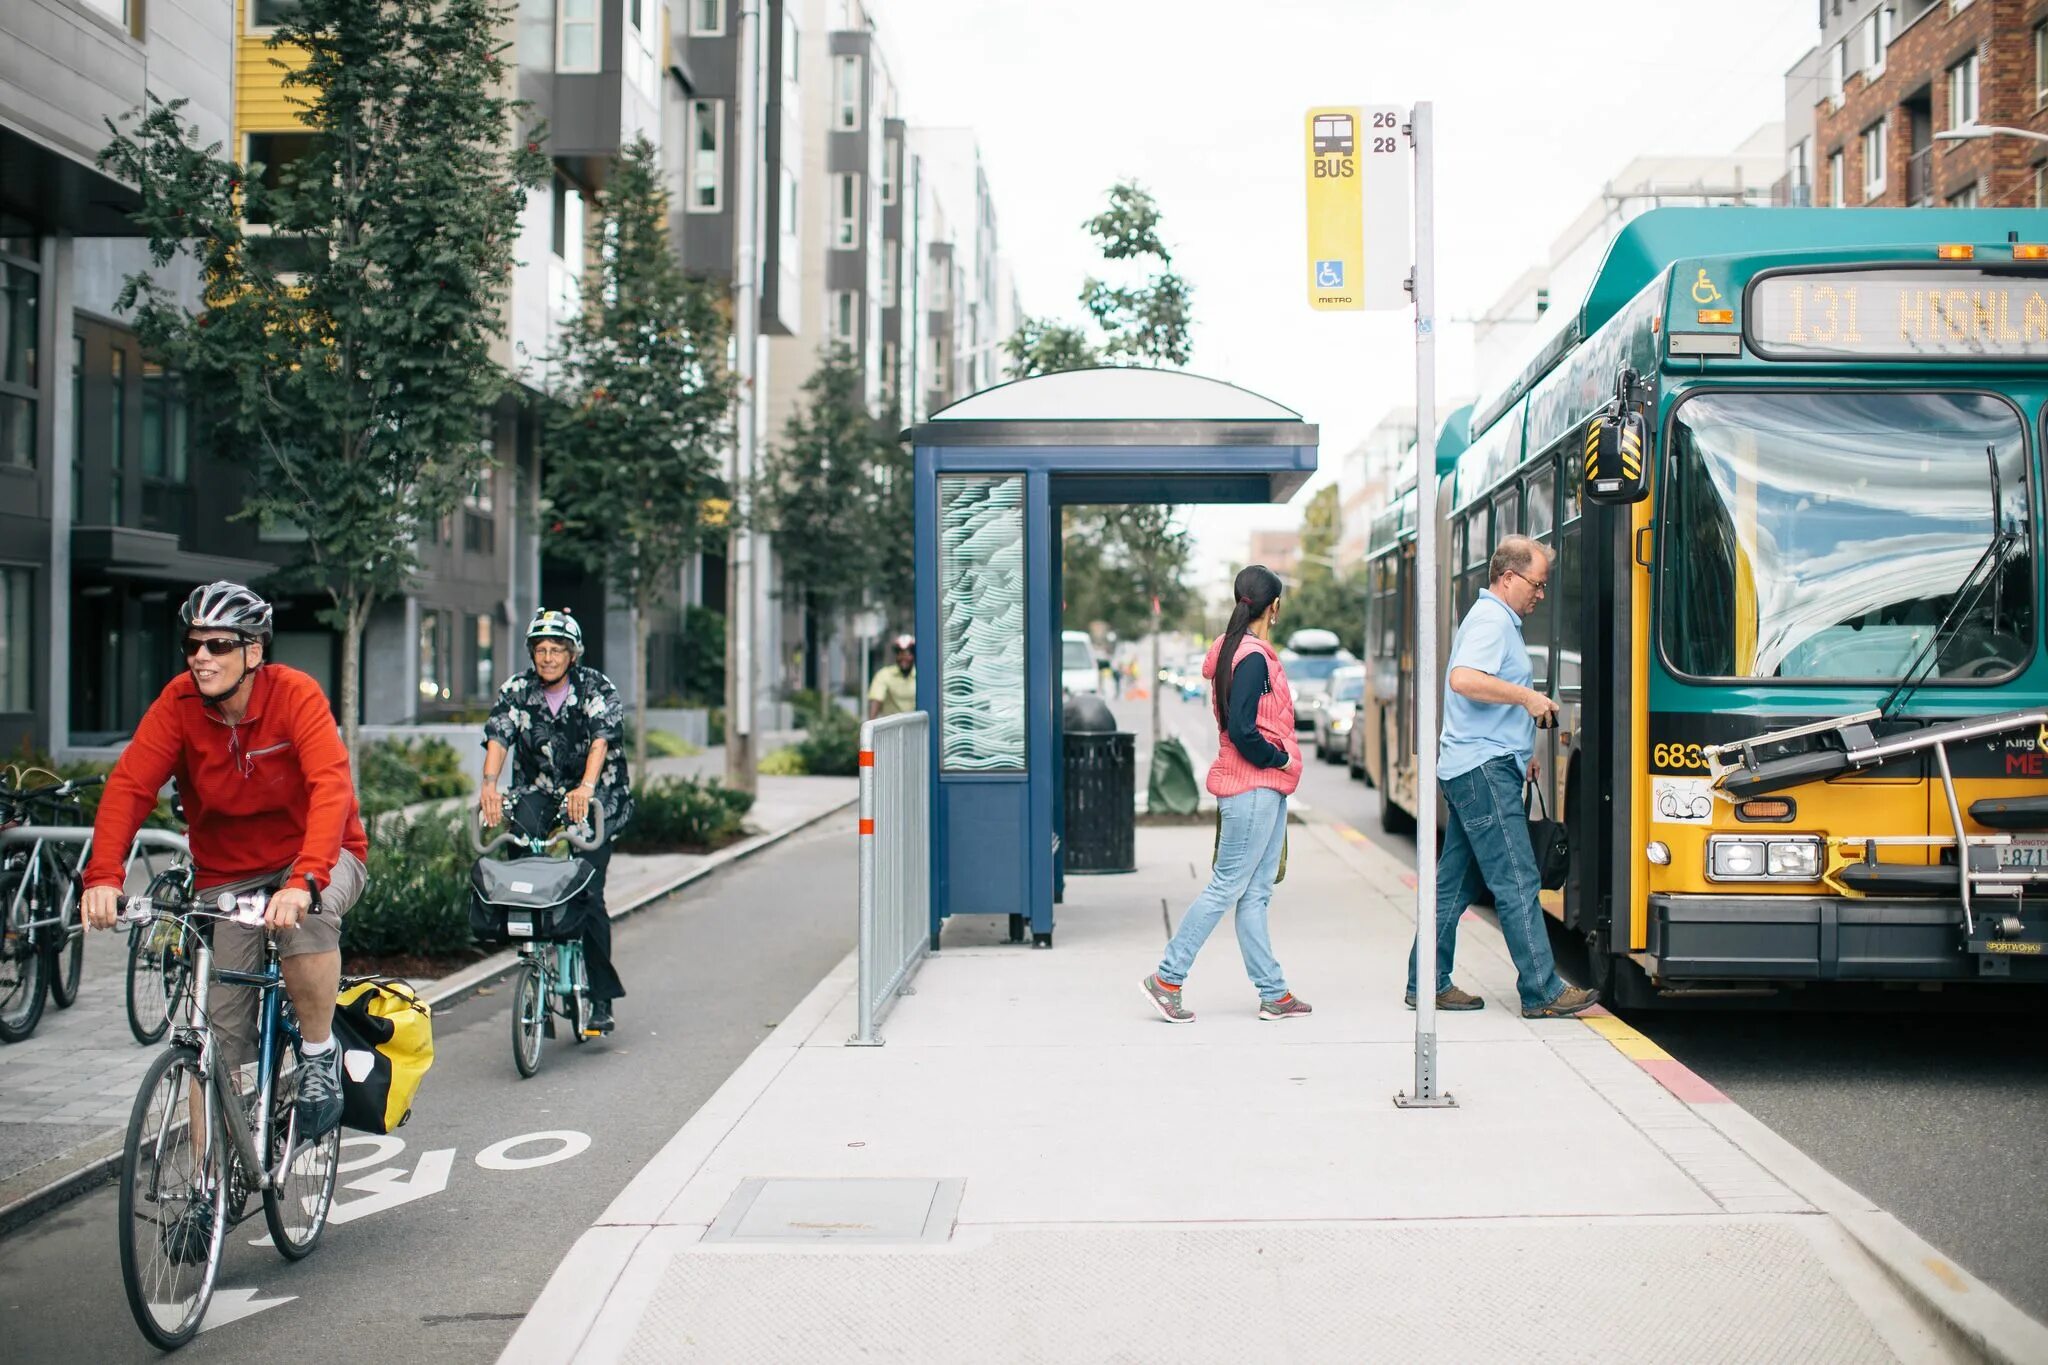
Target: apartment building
point(1366, 475)
point(1896, 77)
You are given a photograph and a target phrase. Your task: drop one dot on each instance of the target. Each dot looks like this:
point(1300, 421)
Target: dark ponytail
point(1257, 588)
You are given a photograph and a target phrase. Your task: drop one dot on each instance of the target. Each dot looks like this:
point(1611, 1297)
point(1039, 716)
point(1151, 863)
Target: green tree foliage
point(344, 356)
point(1319, 597)
point(1043, 346)
point(1147, 322)
point(639, 412)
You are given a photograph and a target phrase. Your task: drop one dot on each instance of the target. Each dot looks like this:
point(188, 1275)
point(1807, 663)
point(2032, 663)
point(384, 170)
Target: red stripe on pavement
point(1408, 880)
point(1682, 1081)
point(867, 827)
point(867, 758)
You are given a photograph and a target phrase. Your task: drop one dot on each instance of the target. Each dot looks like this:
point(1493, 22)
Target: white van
point(1077, 664)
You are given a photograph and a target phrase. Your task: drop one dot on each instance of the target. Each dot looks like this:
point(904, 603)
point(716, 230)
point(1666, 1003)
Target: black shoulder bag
point(1548, 839)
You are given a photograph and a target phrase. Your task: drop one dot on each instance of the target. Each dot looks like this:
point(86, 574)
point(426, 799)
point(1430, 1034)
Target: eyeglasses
point(1543, 587)
point(551, 651)
point(216, 645)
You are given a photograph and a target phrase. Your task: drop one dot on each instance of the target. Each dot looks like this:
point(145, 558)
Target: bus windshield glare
point(1824, 536)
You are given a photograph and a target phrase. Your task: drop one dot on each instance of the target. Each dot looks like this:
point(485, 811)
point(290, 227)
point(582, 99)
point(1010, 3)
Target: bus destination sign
point(1901, 314)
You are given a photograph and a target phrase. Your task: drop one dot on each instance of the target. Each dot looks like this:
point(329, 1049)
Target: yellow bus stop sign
point(1357, 168)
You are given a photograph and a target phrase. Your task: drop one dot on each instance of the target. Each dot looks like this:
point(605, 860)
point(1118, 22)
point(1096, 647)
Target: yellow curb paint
point(1946, 1273)
point(1626, 1040)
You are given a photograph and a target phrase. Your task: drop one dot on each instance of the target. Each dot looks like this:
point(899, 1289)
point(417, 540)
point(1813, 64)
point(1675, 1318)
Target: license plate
point(2028, 853)
point(519, 926)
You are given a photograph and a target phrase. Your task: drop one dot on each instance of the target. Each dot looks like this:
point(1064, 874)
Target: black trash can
point(1102, 790)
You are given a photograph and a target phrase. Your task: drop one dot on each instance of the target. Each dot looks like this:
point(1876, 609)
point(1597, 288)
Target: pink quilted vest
point(1231, 773)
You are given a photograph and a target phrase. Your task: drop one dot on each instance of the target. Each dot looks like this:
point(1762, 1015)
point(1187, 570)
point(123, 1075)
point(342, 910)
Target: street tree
point(1320, 596)
point(1045, 346)
point(636, 421)
point(341, 351)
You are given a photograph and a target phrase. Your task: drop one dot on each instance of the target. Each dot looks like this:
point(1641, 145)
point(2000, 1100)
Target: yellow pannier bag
point(385, 1033)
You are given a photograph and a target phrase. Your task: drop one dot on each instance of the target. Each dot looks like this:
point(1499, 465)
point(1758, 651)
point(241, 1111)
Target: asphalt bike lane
point(444, 1232)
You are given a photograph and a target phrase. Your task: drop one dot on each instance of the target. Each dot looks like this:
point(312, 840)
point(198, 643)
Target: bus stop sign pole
point(1427, 1094)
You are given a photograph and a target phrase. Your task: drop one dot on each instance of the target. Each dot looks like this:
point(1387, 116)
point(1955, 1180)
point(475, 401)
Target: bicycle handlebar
point(511, 835)
point(247, 908)
point(55, 792)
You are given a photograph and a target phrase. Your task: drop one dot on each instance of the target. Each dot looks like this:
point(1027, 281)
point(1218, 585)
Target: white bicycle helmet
point(227, 606)
point(550, 624)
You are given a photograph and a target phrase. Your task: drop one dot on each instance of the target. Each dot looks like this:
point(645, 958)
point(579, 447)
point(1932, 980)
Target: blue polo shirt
point(1490, 640)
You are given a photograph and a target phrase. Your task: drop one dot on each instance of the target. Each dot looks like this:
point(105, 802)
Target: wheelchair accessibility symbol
point(1329, 274)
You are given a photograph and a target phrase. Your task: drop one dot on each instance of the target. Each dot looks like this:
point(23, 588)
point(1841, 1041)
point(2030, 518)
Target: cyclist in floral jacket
point(560, 724)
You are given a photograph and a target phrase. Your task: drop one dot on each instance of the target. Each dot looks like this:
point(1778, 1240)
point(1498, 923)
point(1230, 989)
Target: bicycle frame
point(38, 837)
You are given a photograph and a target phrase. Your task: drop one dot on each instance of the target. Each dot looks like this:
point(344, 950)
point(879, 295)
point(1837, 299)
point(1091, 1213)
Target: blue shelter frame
point(993, 472)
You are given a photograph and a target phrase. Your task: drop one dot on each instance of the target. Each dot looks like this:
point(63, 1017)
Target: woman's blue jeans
point(1487, 839)
point(1247, 859)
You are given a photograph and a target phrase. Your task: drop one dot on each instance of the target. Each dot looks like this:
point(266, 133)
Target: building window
point(846, 316)
point(707, 18)
point(270, 13)
point(434, 661)
point(565, 225)
point(117, 427)
point(889, 362)
point(707, 158)
point(888, 274)
point(483, 661)
point(1964, 198)
point(2041, 186)
point(276, 153)
point(17, 639)
point(20, 293)
point(1836, 182)
point(791, 229)
point(1838, 72)
point(942, 286)
point(641, 68)
point(1873, 160)
point(792, 51)
point(2040, 65)
point(892, 169)
point(1798, 184)
point(1962, 92)
point(846, 93)
point(1958, 6)
point(577, 49)
point(1877, 36)
point(479, 528)
point(166, 462)
point(126, 13)
point(846, 208)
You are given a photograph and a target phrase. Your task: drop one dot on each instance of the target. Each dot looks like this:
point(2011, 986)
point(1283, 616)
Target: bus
point(1789, 466)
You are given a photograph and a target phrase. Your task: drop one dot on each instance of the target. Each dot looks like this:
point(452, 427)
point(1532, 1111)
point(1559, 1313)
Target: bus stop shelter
point(993, 472)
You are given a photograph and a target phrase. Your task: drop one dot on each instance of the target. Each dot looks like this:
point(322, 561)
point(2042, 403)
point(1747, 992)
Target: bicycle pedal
point(547, 1027)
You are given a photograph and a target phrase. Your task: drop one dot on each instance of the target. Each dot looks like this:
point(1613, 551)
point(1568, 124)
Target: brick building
point(1894, 73)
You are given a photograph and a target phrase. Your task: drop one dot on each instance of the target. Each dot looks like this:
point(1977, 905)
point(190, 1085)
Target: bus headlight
point(1737, 859)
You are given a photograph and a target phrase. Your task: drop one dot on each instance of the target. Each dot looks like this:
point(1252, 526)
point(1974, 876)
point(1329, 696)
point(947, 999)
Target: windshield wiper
point(1928, 656)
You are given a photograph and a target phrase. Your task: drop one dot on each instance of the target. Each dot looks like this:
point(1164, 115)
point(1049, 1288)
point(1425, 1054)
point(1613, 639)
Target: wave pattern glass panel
point(981, 624)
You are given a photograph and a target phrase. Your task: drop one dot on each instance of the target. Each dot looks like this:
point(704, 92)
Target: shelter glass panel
point(981, 624)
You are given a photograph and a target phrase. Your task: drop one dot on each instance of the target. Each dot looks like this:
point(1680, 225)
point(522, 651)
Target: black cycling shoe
point(600, 1020)
point(188, 1238)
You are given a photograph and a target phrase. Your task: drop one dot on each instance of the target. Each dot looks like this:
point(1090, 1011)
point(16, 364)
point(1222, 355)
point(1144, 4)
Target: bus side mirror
point(1617, 460)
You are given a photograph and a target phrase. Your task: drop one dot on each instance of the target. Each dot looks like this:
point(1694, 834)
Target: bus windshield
point(1824, 535)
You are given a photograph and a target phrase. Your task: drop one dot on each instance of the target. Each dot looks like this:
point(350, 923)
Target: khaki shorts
point(239, 948)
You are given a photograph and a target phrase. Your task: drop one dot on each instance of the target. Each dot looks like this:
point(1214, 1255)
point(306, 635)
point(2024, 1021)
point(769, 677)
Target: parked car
point(1077, 664)
point(1338, 714)
point(1312, 658)
point(1354, 753)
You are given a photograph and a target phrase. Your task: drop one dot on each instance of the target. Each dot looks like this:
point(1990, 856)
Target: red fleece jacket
point(272, 790)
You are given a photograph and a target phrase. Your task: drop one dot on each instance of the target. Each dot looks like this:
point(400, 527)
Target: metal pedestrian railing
point(895, 863)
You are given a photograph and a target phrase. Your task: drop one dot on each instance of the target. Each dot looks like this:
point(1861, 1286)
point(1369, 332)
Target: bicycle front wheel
point(67, 958)
point(174, 1194)
point(297, 1214)
point(24, 974)
point(158, 974)
point(529, 1017)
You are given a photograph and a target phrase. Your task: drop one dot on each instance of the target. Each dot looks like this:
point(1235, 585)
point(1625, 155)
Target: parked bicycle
point(197, 1149)
point(160, 958)
point(43, 948)
point(529, 900)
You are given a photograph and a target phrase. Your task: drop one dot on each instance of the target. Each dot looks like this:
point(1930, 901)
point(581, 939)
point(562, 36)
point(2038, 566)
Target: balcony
point(1920, 178)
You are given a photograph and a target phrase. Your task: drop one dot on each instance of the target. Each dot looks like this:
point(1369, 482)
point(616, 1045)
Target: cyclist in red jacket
point(270, 805)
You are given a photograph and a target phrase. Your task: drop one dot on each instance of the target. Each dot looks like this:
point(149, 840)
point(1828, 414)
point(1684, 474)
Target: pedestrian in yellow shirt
point(894, 690)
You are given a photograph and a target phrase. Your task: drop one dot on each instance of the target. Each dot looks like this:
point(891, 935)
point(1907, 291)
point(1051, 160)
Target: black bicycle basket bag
point(526, 898)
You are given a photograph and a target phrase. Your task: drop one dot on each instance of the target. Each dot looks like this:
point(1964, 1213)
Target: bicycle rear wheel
point(67, 958)
point(529, 1016)
point(174, 1194)
point(24, 975)
point(159, 974)
point(297, 1214)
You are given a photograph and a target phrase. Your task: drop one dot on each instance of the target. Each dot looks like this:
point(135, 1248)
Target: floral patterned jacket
point(548, 752)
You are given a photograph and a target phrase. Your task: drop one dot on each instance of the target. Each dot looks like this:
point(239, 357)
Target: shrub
point(783, 763)
point(28, 768)
point(684, 813)
point(394, 772)
point(662, 744)
point(417, 902)
point(832, 748)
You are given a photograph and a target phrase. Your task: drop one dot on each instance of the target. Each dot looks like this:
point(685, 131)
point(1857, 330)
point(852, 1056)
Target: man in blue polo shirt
point(1490, 719)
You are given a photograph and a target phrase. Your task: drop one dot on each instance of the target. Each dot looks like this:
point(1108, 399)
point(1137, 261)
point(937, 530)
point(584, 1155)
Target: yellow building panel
point(262, 105)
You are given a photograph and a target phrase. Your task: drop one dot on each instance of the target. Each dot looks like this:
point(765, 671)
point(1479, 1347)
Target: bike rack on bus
point(1857, 748)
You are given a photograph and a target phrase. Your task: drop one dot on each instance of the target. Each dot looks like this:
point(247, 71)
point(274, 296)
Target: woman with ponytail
point(1257, 767)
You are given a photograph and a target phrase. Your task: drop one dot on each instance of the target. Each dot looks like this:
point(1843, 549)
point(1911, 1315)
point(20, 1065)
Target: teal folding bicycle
point(530, 901)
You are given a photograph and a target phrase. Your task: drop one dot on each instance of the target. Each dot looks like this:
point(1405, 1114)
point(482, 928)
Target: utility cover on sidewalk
point(832, 1210)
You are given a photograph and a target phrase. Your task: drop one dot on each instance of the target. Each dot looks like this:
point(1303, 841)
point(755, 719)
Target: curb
point(102, 1155)
point(1977, 1317)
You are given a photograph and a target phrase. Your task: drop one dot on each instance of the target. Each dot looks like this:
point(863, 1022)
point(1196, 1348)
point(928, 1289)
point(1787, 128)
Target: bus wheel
point(1600, 972)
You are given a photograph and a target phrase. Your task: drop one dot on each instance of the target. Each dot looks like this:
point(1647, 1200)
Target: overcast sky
point(1536, 105)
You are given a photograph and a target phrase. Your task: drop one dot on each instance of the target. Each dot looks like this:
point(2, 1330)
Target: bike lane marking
point(497, 1156)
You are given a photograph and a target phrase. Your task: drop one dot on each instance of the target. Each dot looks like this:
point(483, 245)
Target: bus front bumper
point(1832, 938)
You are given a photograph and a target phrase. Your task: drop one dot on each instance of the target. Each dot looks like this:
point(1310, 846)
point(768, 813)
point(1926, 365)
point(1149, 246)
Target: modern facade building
point(1366, 476)
point(1893, 75)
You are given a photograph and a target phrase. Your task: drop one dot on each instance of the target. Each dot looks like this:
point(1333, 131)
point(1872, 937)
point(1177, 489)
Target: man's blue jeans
point(1487, 841)
point(1247, 859)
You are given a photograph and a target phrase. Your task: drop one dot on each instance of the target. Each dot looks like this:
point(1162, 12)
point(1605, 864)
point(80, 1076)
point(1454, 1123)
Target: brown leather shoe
point(1570, 1001)
point(1451, 998)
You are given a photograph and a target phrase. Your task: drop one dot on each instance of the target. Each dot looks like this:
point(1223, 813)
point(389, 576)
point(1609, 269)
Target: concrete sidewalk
point(66, 1091)
point(1037, 1168)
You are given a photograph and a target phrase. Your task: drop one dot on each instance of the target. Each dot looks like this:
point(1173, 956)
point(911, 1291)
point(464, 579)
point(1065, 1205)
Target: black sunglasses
point(213, 645)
